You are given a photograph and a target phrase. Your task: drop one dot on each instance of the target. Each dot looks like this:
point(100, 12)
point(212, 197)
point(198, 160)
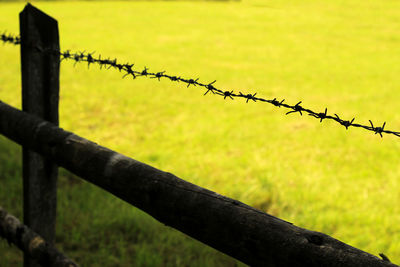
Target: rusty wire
point(128, 70)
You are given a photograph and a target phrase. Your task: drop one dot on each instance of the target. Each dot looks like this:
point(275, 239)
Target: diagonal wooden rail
point(247, 234)
point(40, 251)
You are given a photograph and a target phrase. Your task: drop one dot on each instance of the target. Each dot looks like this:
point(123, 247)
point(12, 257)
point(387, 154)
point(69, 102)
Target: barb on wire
point(296, 108)
point(276, 102)
point(10, 38)
point(191, 81)
point(377, 130)
point(249, 97)
point(321, 115)
point(128, 70)
point(210, 87)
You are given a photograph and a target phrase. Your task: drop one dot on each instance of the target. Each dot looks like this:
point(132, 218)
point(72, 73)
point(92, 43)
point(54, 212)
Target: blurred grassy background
point(343, 55)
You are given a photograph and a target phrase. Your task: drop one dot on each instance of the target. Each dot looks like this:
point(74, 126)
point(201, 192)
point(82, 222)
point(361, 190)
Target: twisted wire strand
point(128, 70)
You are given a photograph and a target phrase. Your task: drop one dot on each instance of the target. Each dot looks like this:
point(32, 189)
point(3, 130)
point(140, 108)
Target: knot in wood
point(315, 239)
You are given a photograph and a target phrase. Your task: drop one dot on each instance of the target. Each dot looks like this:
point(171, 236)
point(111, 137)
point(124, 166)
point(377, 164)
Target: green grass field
point(343, 55)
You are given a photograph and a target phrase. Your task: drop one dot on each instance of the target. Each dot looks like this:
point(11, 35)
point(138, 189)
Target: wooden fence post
point(40, 96)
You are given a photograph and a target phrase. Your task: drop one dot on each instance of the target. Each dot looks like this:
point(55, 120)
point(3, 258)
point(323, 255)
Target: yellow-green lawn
point(343, 55)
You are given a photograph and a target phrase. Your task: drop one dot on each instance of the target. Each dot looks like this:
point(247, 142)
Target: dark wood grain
point(40, 96)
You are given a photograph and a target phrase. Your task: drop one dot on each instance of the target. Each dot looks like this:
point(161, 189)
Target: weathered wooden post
point(40, 95)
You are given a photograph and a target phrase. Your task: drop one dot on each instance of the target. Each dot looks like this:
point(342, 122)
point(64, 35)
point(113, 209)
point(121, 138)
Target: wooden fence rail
point(39, 250)
point(247, 234)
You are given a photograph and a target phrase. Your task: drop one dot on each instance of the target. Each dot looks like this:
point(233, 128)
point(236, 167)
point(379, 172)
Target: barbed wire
point(10, 38)
point(128, 70)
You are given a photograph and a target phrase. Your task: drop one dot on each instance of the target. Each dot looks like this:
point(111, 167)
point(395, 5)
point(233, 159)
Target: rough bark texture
point(31, 243)
point(247, 234)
